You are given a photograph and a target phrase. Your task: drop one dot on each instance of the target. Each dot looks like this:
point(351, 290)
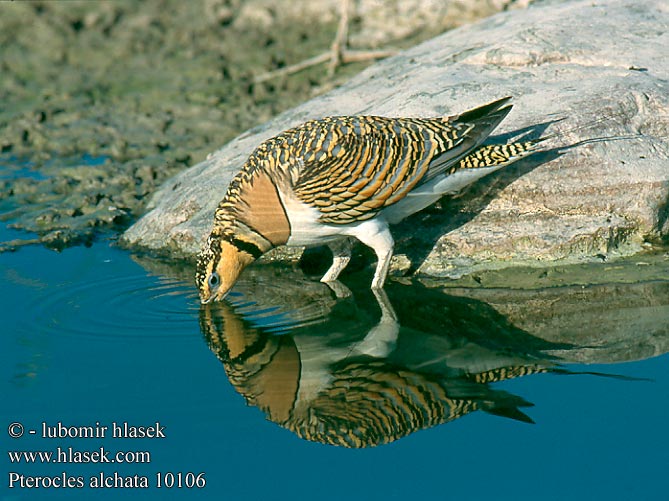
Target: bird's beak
point(213, 297)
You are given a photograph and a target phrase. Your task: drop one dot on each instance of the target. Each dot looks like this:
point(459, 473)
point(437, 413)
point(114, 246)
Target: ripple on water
point(281, 305)
point(117, 307)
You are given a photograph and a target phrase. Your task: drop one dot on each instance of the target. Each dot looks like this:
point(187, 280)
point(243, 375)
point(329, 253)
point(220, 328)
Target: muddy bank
point(142, 90)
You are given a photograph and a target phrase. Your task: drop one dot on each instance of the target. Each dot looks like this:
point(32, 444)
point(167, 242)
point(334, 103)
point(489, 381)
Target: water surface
point(428, 392)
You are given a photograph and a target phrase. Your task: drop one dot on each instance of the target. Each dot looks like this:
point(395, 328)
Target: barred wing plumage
point(350, 168)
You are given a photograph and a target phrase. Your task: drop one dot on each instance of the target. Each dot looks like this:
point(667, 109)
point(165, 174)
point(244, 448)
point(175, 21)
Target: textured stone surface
point(597, 200)
point(604, 323)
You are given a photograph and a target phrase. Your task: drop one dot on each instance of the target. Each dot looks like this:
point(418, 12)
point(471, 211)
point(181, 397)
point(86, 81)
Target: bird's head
point(218, 266)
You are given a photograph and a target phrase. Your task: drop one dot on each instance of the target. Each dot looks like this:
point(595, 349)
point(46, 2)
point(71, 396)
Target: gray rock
point(603, 67)
point(604, 323)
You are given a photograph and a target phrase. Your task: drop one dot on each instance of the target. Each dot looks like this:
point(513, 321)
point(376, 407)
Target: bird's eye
point(214, 280)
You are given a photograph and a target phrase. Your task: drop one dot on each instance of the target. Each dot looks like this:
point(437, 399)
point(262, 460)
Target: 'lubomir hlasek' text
point(115, 430)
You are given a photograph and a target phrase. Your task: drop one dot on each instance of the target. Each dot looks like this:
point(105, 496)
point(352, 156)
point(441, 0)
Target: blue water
point(90, 336)
point(12, 167)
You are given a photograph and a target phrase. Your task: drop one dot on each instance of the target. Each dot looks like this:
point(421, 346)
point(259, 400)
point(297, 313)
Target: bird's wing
point(350, 168)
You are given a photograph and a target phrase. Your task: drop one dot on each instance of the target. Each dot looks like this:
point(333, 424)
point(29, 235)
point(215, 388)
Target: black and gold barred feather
point(370, 403)
point(367, 402)
point(494, 154)
point(352, 167)
point(505, 373)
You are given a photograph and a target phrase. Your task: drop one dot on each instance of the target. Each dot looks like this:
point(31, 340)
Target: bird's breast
point(261, 208)
point(305, 227)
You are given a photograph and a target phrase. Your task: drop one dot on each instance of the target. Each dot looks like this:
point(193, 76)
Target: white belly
point(429, 193)
point(305, 229)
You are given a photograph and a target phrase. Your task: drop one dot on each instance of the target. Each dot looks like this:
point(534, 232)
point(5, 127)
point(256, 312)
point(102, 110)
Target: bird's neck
point(253, 209)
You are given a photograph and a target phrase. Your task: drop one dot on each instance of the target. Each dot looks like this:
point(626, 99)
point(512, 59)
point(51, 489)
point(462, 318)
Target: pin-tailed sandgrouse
point(348, 176)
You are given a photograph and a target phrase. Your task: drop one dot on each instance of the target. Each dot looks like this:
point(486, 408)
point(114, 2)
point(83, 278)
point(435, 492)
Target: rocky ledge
point(602, 68)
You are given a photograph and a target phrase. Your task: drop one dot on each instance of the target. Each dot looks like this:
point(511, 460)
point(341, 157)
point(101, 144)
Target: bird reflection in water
point(365, 371)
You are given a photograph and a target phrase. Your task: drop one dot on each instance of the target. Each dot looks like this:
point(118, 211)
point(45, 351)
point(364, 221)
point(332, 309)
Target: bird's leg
point(339, 289)
point(381, 272)
point(379, 239)
point(341, 255)
point(388, 314)
point(381, 340)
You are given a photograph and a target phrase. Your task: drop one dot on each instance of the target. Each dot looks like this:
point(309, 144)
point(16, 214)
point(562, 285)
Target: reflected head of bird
point(219, 264)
